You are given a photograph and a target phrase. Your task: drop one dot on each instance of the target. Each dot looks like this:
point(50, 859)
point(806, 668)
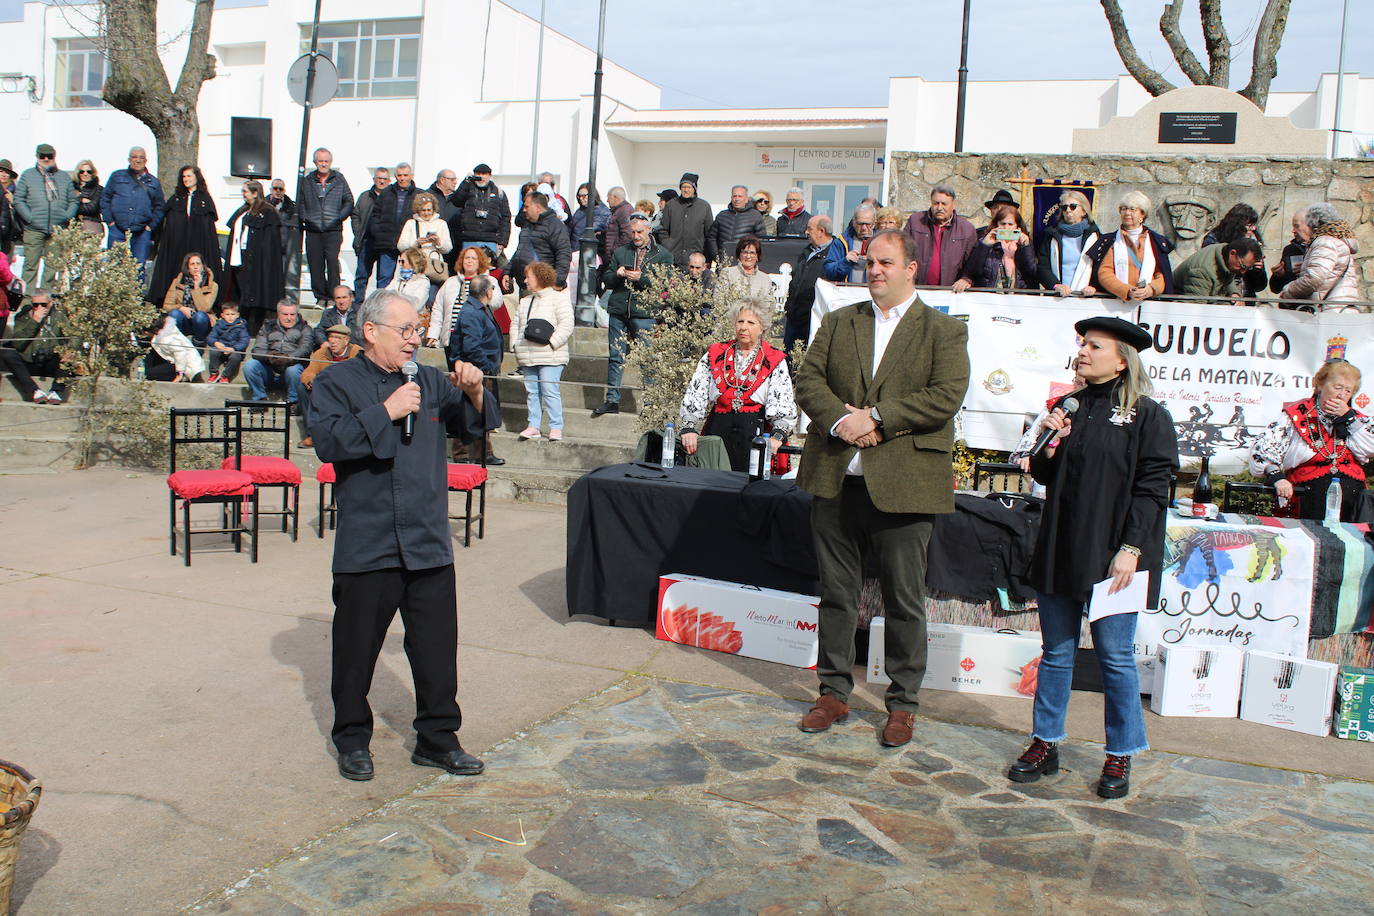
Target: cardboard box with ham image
point(967, 659)
point(1286, 692)
point(1196, 681)
point(763, 623)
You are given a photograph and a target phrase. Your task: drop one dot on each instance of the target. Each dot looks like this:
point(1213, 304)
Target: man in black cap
point(483, 217)
point(686, 221)
point(45, 199)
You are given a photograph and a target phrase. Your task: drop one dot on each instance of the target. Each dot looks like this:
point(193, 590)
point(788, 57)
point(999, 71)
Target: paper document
point(1129, 600)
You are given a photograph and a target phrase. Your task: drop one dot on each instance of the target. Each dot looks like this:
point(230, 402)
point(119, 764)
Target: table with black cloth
point(628, 524)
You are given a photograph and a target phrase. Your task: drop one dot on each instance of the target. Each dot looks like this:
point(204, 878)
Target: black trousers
point(364, 605)
point(22, 373)
point(322, 251)
point(846, 529)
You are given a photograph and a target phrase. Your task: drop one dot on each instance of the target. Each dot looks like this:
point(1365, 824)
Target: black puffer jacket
point(546, 240)
point(88, 199)
point(324, 207)
point(483, 214)
point(383, 226)
point(730, 226)
point(794, 225)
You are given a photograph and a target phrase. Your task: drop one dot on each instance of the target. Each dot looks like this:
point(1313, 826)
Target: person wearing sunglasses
point(45, 200)
point(1062, 247)
point(763, 202)
point(88, 192)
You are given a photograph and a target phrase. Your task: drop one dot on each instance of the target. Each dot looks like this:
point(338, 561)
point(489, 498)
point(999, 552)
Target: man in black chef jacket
point(393, 548)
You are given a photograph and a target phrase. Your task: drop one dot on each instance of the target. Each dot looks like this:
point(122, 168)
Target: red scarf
point(1321, 441)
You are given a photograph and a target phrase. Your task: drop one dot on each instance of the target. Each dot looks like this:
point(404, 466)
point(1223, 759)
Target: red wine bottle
point(1202, 490)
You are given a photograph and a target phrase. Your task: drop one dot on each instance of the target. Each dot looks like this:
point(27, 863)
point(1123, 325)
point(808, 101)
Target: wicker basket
point(19, 793)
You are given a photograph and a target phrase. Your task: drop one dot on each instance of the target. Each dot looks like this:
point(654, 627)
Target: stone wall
point(1189, 193)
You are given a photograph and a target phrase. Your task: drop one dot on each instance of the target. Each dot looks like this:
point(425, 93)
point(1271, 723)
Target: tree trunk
point(1153, 81)
point(1268, 37)
point(137, 83)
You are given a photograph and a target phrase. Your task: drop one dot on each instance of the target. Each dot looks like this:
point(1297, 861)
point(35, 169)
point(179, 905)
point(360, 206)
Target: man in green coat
point(632, 316)
point(881, 383)
point(34, 349)
point(1218, 270)
point(45, 199)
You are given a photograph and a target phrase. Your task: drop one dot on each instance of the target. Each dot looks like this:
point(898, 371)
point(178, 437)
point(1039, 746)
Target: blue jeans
point(261, 376)
point(1061, 621)
point(367, 259)
point(543, 380)
point(386, 266)
point(197, 327)
point(636, 329)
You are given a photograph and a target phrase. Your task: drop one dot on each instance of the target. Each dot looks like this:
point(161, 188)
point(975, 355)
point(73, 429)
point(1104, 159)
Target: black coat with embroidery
point(1107, 484)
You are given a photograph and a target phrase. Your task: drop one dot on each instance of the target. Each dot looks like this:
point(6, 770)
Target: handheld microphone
point(1070, 407)
point(410, 370)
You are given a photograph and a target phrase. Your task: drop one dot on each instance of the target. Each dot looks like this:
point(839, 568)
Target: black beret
point(1132, 334)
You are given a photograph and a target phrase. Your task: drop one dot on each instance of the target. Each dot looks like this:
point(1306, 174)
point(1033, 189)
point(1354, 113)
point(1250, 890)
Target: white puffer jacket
point(553, 306)
point(1329, 272)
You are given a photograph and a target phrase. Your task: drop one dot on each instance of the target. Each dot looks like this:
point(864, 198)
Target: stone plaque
point(1197, 127)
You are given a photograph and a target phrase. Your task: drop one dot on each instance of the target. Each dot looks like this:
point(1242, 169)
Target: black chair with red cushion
point(471, 478)
point(227, 488)
point(326, 478)
point(270, 418)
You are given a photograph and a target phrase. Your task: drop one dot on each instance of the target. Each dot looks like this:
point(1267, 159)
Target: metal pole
point(305, 143)
point(963, 84)
point(587, 253)
point(538, 86)
point(1340, 80)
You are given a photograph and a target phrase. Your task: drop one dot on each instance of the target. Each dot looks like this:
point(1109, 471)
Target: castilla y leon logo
point(998, 382)
point(966, 664)
point(1335, 347)
point(764, 157)
point(1362, 401)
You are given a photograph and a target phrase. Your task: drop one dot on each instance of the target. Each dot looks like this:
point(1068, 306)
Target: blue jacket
point(836, 261)
point(231, 335)
point(131, 201)
point(476, 339)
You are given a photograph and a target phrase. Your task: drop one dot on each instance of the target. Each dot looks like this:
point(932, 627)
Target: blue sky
point(794, 53)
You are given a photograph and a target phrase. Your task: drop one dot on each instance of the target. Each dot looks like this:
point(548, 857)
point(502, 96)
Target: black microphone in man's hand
point(1070, 407)
point(410, 370)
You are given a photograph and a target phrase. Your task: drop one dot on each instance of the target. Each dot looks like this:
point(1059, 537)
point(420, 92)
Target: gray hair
point(1077, 197)
point(480, 286)
point(375, 305)
point(945, 190)
point(287, 303)
point(865, 208)
point(379, 170)
point(1135, 200)
point(739, 187)
point(794, 190)
point(617, 190)
point(405, 165)
point(1319, 214)
point(137, 149)
point(40, 291)
point(759, 307)
point(322, 149)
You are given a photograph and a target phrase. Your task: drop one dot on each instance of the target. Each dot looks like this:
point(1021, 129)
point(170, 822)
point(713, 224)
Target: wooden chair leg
point(186, 520)
point(467, 521)
point(482, 513)
point(254, 547)
point(172, 523)
point(295, 512)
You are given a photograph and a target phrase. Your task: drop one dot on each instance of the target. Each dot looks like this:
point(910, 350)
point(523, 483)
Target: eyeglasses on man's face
point(406, 331)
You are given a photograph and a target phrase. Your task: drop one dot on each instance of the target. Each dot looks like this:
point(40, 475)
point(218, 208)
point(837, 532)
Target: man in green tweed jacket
point(881, 383)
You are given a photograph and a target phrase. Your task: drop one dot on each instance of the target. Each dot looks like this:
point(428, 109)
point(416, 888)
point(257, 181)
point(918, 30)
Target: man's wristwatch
point(873, 412)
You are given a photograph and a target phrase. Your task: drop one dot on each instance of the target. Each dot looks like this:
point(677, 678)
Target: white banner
point(1223, 372)
point(1242, 586)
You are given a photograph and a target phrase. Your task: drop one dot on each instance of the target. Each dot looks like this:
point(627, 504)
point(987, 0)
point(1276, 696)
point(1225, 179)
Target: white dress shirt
point(883, 329)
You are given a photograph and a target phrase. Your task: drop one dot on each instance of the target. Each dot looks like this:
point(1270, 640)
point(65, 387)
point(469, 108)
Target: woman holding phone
point(1003, 258)
point(1106, 474)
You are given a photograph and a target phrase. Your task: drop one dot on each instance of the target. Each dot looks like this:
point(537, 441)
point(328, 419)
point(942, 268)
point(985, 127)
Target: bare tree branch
point(1144, 74)
point(1173, 35)
point(200, 64)
point(1268, 37)
point(1218, 43)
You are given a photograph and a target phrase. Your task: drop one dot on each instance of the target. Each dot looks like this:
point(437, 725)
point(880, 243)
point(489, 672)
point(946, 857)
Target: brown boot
point(827, 711)
point(897, 731)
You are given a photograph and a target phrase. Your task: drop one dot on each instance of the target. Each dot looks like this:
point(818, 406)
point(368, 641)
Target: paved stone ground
point(656, 796)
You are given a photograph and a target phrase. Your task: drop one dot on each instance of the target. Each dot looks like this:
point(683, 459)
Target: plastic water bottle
point(669, 444)
point(140, 373)
point(1333, 499)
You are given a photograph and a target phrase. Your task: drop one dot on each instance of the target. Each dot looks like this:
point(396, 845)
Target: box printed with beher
point(1197, 681)
point(1355, 703)
point(763, 623)
point(1287, 692)
point(967, 659)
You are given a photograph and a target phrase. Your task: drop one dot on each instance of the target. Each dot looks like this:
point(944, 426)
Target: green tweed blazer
point(918, 388)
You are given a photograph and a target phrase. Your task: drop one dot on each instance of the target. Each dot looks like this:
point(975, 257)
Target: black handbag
point(537, 330)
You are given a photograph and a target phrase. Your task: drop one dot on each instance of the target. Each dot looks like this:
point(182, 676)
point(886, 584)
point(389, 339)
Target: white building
point(450, 83)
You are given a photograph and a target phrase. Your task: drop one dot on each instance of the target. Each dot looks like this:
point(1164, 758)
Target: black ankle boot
point(1116, 777)
point(1040, 759)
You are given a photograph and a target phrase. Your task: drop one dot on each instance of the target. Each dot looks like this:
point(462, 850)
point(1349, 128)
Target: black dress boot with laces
point(1116, 777)
point(1040, 759)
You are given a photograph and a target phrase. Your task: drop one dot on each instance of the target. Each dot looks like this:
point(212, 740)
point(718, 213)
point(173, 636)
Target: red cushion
point(325, 474)
point(194, 484)
point(265, 469)
point(466, 476)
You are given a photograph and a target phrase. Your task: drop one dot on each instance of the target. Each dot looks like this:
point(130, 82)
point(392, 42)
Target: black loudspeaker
point(250, 147)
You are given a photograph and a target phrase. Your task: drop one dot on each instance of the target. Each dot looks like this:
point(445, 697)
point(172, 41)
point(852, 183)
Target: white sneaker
point(40, 396)
point(54, 397)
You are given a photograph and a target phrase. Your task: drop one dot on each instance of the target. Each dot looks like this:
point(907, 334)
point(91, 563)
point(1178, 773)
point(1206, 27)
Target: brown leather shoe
point(897, 731)
point(824, 714)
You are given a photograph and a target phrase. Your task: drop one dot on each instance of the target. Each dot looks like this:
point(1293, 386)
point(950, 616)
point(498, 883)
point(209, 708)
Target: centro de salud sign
point(833, 160)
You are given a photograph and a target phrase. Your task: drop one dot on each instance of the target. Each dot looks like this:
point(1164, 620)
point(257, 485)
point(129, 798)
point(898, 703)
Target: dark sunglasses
point(1070, 206)
point(762, 200)
point(45, 156)
point(85, 172)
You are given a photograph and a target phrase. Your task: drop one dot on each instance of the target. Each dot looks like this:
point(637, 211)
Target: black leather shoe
point(458, 761)
point(1040, 759)
point(494, 462)
point(356, 765)
point(1116, 777)
point(605, 408)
